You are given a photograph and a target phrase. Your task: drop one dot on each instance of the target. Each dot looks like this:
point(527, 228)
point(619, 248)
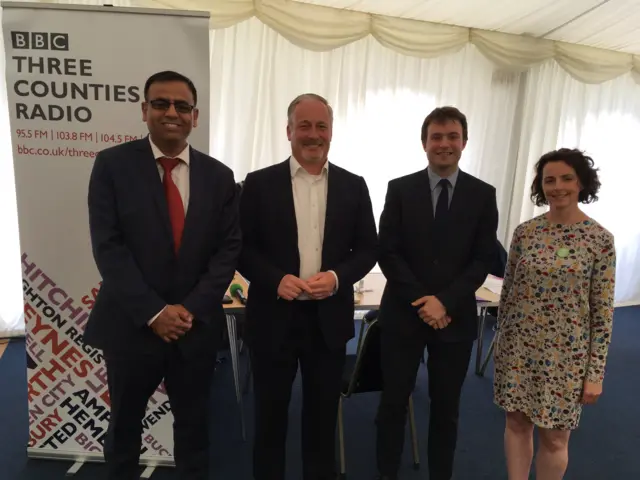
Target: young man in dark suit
point(166, 238)
point(308, 235)
point(437, 245)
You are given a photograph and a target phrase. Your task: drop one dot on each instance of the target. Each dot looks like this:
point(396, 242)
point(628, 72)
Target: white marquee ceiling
point(608, 24)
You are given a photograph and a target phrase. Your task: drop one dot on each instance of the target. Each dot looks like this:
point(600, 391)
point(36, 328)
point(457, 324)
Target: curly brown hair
point(581, 163)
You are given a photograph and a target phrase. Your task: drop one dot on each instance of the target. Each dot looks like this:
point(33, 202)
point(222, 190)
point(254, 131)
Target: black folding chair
point(362, 374)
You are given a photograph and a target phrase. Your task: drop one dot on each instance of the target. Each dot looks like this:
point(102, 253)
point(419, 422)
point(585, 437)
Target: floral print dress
point(555, 319)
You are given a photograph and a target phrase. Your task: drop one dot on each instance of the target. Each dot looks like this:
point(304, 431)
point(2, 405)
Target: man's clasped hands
point(432, 312)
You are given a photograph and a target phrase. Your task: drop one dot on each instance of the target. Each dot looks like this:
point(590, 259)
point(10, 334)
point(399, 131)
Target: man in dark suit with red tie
point(166, 238)
point(437, 245)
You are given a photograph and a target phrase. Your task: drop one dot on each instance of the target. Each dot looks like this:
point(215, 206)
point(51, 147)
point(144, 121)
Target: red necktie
point(174, 200)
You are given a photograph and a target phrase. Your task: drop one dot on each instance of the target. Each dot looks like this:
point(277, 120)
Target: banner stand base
point(149, 461)
point(73, 469)
point(148, 472)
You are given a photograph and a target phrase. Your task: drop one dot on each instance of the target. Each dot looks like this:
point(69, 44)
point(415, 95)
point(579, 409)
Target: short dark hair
point(581, 163)
point(170, 76)
point(442, 115)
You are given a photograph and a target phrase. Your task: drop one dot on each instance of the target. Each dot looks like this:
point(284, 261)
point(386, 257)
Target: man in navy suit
point(166, 238)
point(309, 235)
point(437, 245)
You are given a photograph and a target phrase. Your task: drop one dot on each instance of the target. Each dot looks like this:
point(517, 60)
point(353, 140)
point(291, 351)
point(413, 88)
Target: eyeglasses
point(180, 106)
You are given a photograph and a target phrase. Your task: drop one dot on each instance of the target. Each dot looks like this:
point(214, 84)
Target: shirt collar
point(434, 178)
point(295, 166)
point(183, 155)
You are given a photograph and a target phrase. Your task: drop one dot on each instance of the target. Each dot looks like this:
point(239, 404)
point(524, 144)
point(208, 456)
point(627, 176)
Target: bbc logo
point(40, 41)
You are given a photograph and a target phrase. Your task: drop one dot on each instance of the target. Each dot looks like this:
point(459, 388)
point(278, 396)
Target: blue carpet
point(605, 447)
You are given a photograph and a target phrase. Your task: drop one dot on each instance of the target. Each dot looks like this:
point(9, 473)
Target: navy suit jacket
point(270, 251)
point(450, 262)
point(133, 249)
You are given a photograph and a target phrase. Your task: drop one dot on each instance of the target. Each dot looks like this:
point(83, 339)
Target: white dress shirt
point(310, 202)
point(180, 176)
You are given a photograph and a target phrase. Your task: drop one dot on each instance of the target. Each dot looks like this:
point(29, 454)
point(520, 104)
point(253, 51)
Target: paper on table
point(493, 284)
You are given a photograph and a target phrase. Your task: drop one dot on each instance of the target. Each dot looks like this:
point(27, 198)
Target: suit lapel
point(151, 178)
point(424, 202)
point(458, 202)
point(197, 189)
point(283, 188)
point(333, 203)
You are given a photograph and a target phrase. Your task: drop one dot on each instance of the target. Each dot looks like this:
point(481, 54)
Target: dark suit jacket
point(133, 249)
point(270, 251)
point(451, 267)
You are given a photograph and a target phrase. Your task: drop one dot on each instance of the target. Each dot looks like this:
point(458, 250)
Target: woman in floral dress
point(555, 317)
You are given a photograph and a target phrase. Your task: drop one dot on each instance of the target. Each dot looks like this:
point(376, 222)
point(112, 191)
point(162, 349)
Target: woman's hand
point(591, 392)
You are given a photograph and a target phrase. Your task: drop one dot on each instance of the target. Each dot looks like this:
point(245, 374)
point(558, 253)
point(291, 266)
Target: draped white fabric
point(11, 322)
point(319, 28)
point(383, 77)
point(604, 121)
point(380, 99)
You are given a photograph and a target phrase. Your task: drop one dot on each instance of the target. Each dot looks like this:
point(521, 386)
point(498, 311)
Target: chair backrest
point(367, 373)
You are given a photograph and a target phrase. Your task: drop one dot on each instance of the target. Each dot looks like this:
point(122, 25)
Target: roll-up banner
point(75, 82)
